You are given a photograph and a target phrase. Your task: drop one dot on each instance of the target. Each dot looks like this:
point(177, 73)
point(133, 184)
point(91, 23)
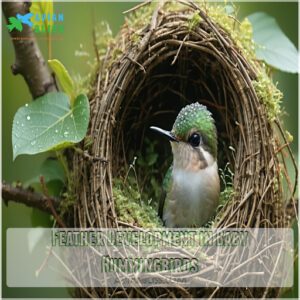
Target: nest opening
point(162, 93)
point(150, 72)
point(155, 98)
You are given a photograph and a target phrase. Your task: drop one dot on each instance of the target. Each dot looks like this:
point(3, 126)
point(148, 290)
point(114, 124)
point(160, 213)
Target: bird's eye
point(194, 140)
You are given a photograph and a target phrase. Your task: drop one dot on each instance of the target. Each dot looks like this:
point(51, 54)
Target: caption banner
point(200, 257)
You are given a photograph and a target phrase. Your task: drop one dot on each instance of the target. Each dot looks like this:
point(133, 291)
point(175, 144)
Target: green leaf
point(273, 46)
point(12, 20)
point(54, 177)
point(49, 124)
point(51, 170)
point(19, 25)
point(64, 78)
point(14, 23)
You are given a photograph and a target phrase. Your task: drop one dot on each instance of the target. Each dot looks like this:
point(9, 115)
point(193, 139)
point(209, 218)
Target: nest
point(165, 57)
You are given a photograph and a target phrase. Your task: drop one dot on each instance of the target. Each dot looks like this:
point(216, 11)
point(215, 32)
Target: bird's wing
point(167, 183)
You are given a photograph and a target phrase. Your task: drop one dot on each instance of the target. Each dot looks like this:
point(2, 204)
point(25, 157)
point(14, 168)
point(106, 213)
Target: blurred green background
point(79, 21)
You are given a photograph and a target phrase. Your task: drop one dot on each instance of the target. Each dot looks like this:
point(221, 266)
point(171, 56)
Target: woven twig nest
point(167, 56)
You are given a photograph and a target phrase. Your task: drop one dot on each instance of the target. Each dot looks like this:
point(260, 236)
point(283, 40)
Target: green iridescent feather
point(198, 117)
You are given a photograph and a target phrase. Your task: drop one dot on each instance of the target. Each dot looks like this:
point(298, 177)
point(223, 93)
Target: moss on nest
point(242, 34)
point(270, 95)
point(133, 208)
point(133, 211)
point(212, 64)
point(130, 207)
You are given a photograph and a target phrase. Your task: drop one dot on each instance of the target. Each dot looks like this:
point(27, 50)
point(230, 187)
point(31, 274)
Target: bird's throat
point(191, 159)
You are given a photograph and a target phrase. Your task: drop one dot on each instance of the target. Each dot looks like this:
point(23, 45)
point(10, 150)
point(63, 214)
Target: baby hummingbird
point(192, 184)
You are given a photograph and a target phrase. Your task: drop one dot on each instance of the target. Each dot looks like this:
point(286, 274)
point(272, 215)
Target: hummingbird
point(191, 187)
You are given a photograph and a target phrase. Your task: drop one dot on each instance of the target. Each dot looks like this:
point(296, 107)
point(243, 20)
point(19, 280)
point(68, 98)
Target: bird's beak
point(166, 133)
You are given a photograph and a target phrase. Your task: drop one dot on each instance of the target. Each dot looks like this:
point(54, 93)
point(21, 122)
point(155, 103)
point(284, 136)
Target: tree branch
point(28, 197)
point(29, 61)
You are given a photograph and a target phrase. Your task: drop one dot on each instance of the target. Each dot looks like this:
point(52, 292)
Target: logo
point(16, 22)
point(40, 23)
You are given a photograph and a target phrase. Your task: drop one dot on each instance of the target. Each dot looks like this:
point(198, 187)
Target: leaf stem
point(64, 163)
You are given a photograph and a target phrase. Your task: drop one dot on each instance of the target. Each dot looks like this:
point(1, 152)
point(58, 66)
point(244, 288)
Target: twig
point(44, 263)
point(95, 39)
point(28, 197)
point(50, 204)
point(29, 61)
point(137, 63)
point(291, 155)
point(87, 156)
point(181, 44)
point(95, 45)
point(137, 7)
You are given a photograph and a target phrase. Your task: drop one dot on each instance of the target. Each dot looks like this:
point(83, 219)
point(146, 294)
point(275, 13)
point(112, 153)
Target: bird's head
point(193, 137)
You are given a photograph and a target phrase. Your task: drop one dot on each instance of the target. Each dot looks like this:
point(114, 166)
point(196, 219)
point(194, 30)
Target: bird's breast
point(193, 197)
